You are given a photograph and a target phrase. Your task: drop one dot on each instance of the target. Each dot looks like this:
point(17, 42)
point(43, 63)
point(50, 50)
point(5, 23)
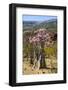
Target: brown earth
point(51, 64)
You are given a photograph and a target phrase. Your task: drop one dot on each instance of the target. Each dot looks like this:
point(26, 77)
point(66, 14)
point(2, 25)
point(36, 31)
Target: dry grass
point(51, 64)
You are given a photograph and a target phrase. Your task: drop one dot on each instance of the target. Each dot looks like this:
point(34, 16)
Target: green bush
point(50, 51)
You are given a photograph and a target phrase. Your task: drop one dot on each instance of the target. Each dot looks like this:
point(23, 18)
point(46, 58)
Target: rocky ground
point(51, 67)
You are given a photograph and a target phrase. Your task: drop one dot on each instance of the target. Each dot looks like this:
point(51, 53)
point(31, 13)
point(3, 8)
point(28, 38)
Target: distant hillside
point(50, 25)
point(28, 24)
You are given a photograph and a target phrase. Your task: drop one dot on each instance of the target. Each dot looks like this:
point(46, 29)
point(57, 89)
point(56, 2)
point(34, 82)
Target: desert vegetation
point(39, 47)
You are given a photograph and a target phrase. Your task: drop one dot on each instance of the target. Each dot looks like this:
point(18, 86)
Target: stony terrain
point(51, 67)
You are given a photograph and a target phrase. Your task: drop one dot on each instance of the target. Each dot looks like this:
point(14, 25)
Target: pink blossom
point(40, 35)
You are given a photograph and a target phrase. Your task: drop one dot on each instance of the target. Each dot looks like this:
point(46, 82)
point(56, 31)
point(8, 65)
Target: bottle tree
point(39, 39)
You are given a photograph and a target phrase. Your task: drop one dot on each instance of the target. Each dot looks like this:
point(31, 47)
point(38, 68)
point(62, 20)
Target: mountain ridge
point(34, 25)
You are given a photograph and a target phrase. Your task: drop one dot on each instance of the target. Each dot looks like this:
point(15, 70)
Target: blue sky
point(37, 18)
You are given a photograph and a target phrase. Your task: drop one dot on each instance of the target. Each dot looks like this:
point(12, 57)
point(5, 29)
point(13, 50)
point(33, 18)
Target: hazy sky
point(37, 17)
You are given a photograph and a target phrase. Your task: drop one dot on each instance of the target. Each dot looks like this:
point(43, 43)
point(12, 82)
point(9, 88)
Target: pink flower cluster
point(34, 39)
point(41, 35)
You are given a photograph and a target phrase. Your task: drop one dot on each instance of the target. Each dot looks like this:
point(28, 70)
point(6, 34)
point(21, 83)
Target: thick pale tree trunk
point(42, 61)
